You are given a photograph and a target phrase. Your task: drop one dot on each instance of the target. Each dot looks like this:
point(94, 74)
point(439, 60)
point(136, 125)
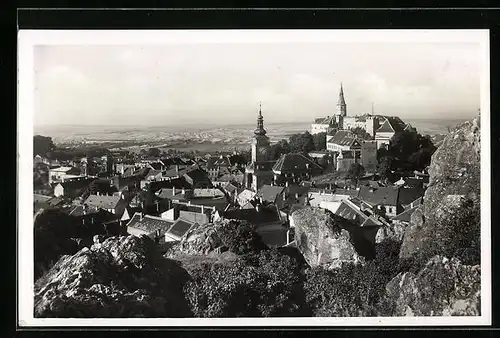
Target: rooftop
point(149, 224)
point(104, 202)
point(294, 162)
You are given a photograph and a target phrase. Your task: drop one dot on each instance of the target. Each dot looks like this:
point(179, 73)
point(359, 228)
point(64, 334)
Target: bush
point(241, 238)
point(260, 285)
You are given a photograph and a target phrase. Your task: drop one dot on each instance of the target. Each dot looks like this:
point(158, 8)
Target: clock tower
point(260, 142)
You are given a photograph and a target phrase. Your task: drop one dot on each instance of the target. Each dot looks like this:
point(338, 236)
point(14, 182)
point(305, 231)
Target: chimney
point(286, 184)
point(296, 195)
point(141, 215)
point(202, 209)
point(173, 191)
point(288, 237)
point(177, 169)
point(183, 191)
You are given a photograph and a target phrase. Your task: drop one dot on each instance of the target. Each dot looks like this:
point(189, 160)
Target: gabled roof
point(408, 195)
point(384, 195)
point(149, 224)
point(156, 166)
point(178, 183)
point(104, 202)
point(345, 138)
point(269, 193)
point(294, 162)
point(246, 195)
point(391, 124)
point(194, 217)
point(208, 193)
point(168, 193)
point(76, 184)
point(180, 228)
point(348, 211)
point(104, 187)
point(405, 215)
point(261, 165)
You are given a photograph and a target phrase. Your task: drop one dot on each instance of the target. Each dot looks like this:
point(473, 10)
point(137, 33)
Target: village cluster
point(167, 198)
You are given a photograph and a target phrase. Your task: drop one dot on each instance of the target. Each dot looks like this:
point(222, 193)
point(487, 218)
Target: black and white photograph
point(254, 177)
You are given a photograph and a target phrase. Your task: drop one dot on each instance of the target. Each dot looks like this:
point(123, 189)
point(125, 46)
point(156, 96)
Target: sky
point(223, 83)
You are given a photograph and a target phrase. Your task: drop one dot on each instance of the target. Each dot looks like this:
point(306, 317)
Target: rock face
point(454, 175)
point(120, 277)
point(394, 231)
point(321, 239)
point(442, 288)
point(202, 241)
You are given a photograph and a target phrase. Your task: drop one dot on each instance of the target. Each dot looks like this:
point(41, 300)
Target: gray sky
point(222, 83)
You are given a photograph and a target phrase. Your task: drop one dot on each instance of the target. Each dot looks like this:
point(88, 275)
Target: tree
point(319, 141)
point(301, 143)
point(241, 238)
point(361, 133)
point(384, 167)
point(355, 171)
point(42, 145)
point(153, 152)
point(279, 148)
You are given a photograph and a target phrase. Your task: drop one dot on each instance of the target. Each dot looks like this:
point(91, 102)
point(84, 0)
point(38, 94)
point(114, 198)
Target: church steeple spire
point(341, 105)
point(260, 123)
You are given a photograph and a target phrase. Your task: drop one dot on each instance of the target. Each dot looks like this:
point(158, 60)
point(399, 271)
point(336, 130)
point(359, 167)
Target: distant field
point(188, 138)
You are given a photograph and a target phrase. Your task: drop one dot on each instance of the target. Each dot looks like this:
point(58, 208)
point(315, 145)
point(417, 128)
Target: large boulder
point(322, 239)
point(454, 178)
point(393, 231)
point(442, 287)
point(120, 277)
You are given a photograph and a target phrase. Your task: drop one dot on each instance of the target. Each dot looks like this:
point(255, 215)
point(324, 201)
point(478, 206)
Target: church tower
point(260, 142)
point(341, 105)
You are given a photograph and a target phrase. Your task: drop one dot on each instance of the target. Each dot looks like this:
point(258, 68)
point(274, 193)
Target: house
point(391, 126)
point(245, 196)
point(150, 226)
point(368, 122)
point(323, 125)
point(343, 141)
point(46, 202)
point(179, 229)
point(329, 199)
point(60, 174)
point(269, 194)
point(368, 155)
point(197, 177)
point(387, 197)
point(195, 217)
point(293, 168)
point(72, 188)
point(352, 212)
point(114, 204)
point(410, 196)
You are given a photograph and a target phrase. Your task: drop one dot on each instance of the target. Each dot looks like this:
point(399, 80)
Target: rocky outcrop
point(393, 231)
point(454, 176)
point(442, 288)
point(120, 277)
point(202, 240)
point(322, 239)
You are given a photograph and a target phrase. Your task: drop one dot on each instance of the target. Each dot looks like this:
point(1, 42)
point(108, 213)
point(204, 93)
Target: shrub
point(241, 238)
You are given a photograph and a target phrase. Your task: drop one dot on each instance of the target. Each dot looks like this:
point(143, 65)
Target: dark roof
point(104, 187)
point(219, 203)
point(269, 193)
point(180, 228)
point(405, 215)
point(408, 195)
point(148, 223)
point(265, 215)
point(261, 165)
point(178, 183)
point(76, 184)
point(391, 124)
point(354, 215)
point(156, 166)
point(345, 138)
point(294, 163)
point(414, 182)
point(173, 161)
point(374, 196)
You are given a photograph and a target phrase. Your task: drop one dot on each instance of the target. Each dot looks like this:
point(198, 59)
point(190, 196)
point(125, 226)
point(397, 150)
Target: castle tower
point(260, 142)
point(341, 105)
